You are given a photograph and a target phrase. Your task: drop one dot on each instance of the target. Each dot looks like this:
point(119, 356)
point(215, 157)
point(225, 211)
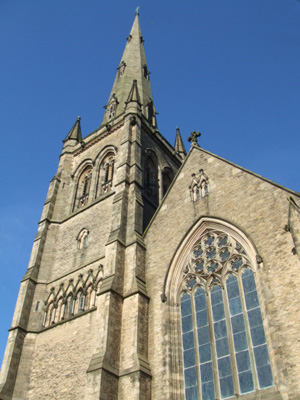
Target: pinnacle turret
point(179, 145)
point(133, 67)
point(74, 136)
point(75, 132)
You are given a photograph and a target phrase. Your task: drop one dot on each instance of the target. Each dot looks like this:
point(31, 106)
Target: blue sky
point(227, 68)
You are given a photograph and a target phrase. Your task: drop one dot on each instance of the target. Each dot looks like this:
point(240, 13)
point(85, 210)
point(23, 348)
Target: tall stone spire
point(133, 67)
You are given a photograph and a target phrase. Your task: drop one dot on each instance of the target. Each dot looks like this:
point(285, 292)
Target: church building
point(156, 273)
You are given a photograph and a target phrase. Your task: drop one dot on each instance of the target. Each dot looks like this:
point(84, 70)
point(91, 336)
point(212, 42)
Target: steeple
point(179, 146)
point(133, 67)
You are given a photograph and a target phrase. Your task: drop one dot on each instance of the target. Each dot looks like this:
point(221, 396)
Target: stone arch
point(208, 284)
point(176, 267)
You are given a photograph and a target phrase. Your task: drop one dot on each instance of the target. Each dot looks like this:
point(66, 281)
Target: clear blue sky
point(227, 68)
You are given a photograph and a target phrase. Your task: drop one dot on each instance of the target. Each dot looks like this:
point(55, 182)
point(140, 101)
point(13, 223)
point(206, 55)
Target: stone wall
point(260, 210)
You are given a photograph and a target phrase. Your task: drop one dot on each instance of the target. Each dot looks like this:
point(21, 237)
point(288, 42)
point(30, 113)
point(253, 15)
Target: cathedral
point(156, 273)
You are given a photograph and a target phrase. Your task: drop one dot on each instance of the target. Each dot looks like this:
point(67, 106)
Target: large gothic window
point(224, 345)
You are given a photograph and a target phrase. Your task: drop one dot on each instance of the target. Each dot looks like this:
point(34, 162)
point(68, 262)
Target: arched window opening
point(151, 179)
point(50, 315)
point(224, 345)
point(106, 174)
point(83, 188)
point(82, 300)
point(112, 106)
point(60, 310)
point(90, 297)
point(167, 177)
point(70, 304)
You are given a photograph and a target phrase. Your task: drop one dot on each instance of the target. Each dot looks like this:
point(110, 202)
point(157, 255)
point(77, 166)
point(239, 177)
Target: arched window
point(167, 177)
point(224, 345)
point(112, 105)
point(83, 188)
point(151, 177)
point(50, 314)
point(106, 173)
point(70, 304)
point(60, 310)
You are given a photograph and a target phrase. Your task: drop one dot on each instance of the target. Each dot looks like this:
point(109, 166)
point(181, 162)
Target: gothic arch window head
point(223, 342)
point(82, 238)
point(167, 177)
point(83, 187)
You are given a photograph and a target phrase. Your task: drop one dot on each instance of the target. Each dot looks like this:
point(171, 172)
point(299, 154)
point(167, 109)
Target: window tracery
point(224, 344)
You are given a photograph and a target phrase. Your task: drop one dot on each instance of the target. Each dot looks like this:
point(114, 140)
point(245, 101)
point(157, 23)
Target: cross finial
point(193, 137)
point(137, 10)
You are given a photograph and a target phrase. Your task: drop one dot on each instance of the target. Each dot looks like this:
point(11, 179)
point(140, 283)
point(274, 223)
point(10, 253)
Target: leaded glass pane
point(208, 391)
point(205, 352)
point(226, 385)
point(222, 347)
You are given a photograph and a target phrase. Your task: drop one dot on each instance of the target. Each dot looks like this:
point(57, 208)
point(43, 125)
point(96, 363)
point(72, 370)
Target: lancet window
point(151, 177)
point(106, 173)
point(225, 352)
point(167, 177)
point(83, 188)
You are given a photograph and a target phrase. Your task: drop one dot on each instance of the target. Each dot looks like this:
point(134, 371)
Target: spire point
point(78, 118)
point(137, 11)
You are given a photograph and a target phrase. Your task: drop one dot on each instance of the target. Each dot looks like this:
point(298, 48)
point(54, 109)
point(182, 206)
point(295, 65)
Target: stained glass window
point(224, 344)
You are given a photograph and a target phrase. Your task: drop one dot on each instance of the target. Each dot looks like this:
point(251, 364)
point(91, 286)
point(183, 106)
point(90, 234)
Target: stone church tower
point(155, 274)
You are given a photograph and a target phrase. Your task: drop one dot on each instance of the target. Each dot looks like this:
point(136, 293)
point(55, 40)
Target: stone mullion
point(248, 334)
point(230, 341)
point(213, 346)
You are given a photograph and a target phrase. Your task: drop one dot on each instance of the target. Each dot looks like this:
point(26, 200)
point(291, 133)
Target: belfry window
point(83, 188)
point(224, 344)
point(151, 177)
point(106, 173)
